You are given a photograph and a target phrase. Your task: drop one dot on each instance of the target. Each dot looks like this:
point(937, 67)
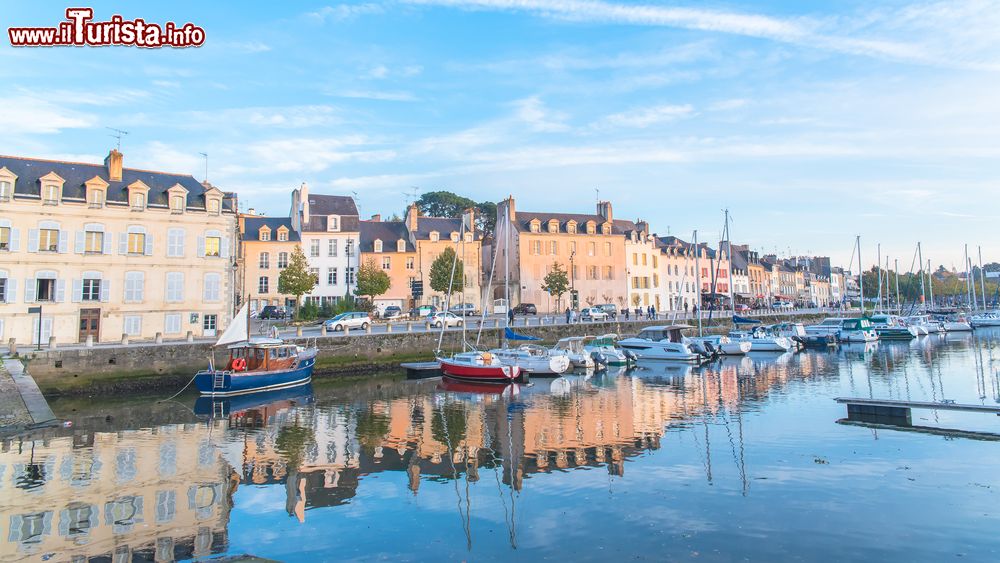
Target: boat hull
point(242, 383)
point(779, 344)
point(482, 374)
point(957, 326)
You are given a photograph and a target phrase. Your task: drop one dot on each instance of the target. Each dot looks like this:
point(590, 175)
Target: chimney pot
point(114, 163)
point(377, 217)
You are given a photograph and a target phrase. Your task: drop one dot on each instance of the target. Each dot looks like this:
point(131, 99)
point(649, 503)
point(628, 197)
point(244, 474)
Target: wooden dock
point(898, 413)
point(421, 370)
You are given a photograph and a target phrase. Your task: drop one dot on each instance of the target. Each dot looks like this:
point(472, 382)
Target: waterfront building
point(642, 255)
point(819, 289)
point(837, 286)
point(108, 251)
point(757, 275)
point(677, 267)
point(590, 247)
point(740, 273)
point(430, 236)
point(714, 275)
point(266, 244)
point(328, 226)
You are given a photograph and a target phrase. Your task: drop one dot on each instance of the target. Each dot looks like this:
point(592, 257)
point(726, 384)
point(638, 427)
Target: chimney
point(604, 210)
point(304, 203)
point(114, 163)
point(469, 220)
point(511, 211)
point(642, 226)
point(411, 217)
point(251, 211)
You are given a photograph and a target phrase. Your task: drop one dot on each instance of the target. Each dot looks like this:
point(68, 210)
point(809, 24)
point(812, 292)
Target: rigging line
point(729, 431)
point(704, 420)
point(512, 533)
point(466, 524)
point(447, 301)
point(489, 284)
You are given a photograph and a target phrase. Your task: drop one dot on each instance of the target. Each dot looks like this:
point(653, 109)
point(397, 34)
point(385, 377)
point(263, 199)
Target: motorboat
point(572, 348)
point(762, 340)
point(603, 347)
point(924, 323)
point(723, 344)
point(533, 359)
point(986, 318)
point(889, 327)
point(482, 367)
point(857, 330)
point(795, 331)
point(952, 321)
point(663, 343)
point(829, 325)
point(255, 364)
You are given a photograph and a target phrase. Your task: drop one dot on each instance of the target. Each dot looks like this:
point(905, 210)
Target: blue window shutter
point(32, 240)
point(148, 250)
point(63, 242)
point(108, 243)
point(123, 243)
point(29, 290)
point(77, 291)
point(11, 290)
point(80, 242)
point(60, 291)
point(224, 247)
point(105, 290)
point(201, 247)
point(15, 240)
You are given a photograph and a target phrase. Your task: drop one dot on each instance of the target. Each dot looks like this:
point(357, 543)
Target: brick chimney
point(469, 220)
point(377, 217)
point(411, 217)
point(642, 226)
point(114, 163)
point(604, 210)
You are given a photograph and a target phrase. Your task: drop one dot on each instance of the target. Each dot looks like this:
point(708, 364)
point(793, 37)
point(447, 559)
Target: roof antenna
point(598, 192)
point(118, 135)
point(205, 154)
point(414, 190)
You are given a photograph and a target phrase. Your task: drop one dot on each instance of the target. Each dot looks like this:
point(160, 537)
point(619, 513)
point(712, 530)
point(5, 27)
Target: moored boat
point(533, 359)
point(482, 367)
point(889, 327)
point(604, 347)
point(761, 340)
point(663, 343)
point(857, 330)
point(572, 348)
point(723, 344)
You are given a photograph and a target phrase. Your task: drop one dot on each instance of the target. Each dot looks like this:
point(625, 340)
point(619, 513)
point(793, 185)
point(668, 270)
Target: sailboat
point(255, 364)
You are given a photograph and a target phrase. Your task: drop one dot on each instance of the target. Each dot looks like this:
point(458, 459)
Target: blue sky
point(812, 122)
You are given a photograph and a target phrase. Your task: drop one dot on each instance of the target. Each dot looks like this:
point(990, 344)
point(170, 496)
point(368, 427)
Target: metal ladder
point(219, 381)
point(219, 409)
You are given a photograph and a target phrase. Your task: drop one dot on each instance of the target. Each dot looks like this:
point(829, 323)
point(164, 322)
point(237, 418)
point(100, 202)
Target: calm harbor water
point(739, 460)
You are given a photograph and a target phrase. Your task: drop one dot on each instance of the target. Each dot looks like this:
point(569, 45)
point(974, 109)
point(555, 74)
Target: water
point(741, 460)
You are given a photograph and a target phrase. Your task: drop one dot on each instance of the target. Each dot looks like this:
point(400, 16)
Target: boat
point(603, 347)
point(828, 326)
point(532, 359)
point(857, 330)
point(951, 321)
point(795, 331)
point(924, 324)
point(889, 327)
point(725, 345)
point(572, 348)
point(482, 367)
point(762, 340)
point(984, 319)
point(223, 407)
point(255, 364)
point(663, 343)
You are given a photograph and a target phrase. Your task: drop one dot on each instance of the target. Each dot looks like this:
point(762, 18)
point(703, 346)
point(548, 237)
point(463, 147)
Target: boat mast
point(878, 251)
point(923, 290)
point(697, 279)
point(972, 284)
point(930, 282)
point(729, 244)
point(888, 294)
point(462, 232)
point(982, 277)
point(899, 304)
point(861, 276)
point(968, 273)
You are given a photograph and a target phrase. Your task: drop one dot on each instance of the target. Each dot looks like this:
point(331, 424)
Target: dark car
point(525, 309)
point(392, 312)
point(423, 311)
point(272, 312)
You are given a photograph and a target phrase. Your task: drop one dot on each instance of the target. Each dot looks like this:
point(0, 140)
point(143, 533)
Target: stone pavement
point(22, 405)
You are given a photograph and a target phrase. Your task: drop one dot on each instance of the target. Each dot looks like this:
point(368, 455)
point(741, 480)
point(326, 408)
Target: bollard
point(190, 336)
point(388, 327)
point(52, 343)
point(12, 346)
point(90, 341)
point(409, 326)
point(158, 338)
point(322, 329)
point(427, 325)
point(124, 339)
point(298, 331)
point(368, 329)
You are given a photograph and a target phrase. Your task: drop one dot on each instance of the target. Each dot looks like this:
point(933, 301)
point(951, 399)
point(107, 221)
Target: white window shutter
point(29, 290)
point(123, 243)
point(148, 250)
point(11, 290)
point(77, 290)
point(224, 248)
point(63, 242)
point(32, 240)
point(60, 291)
point(140, 288)
point(15, 240)
point(108, 243)
point(105, 290)
point(201, 247)
point(80, 240)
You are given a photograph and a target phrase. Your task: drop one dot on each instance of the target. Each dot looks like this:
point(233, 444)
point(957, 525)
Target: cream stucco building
point(106, 250)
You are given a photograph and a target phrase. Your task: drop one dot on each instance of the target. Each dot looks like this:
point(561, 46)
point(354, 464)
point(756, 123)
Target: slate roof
point(523, 219)
point(443, 225)
point(739, 261)
point(252, 226)
point(389, 232)
point(75, 174)
point(322, 205)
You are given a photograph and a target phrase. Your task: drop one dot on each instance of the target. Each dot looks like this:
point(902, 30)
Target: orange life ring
point(239, 364)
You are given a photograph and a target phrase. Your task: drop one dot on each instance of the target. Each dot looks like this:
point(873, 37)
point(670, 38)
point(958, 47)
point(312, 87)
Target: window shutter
point(60, 291)
point(11, 290)
point(15, 240)
point(80, 240)
point(224, 247)
point(32, 240)
point(29, 291)
point(63, 242)
point(148, 250)
point(123, 243)
point(201, 247)
point(77, 291)
point(140, 288)
point(105, 290)
point(108, 242)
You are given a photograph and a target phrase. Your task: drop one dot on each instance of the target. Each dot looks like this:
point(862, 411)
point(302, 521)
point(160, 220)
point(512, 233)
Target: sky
point(812, 122)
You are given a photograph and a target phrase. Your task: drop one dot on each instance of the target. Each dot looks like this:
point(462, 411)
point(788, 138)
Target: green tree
point(296, 279)
point(556, 283)
point(372, 281)
point(448, 204)
point(441, 271)
point(486, 216)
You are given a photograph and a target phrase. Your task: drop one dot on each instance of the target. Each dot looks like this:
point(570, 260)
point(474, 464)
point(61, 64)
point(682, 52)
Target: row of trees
point(946, 284)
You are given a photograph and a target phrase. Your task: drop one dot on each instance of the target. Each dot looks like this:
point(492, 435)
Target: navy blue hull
point(240, 383)
point(208, 406)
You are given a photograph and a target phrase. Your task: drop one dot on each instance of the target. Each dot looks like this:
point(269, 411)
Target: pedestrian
point(685, 307)
point(626, 313)
point(510, 315)
point(652, 312)
point(569, 314)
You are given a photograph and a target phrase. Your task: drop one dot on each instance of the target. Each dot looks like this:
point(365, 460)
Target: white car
point(346, 321)
point(445, 318)
point(593, 314)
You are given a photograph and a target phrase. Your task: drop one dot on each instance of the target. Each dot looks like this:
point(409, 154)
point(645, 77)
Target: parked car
point(423, 311)
point(464, 310)
point(346, 321)
point(609, 308)
point(445, 318)
point(593, 314)
point(392, 312)
point(783, 305)
point(743, 308)
point(525, 309)
point(273, 312)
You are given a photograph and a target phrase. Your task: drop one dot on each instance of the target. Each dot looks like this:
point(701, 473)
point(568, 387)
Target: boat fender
point(487, 358)
point(630, 356)
point(709, 350)
point(239, 364)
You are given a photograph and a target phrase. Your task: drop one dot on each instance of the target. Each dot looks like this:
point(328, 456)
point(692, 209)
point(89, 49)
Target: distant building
point(329, 228)
point(266, 244)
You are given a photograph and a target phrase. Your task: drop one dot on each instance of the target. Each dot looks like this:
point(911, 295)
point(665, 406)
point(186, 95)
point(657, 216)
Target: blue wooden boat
point(222, 407)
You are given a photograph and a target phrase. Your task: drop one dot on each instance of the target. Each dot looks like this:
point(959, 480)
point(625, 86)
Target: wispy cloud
point(376, 95)
point(646, 116)
point(26, 114)
point(533, 112)
point(343, 12)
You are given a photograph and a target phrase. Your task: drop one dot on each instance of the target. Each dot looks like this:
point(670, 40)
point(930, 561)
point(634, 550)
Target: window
point(409, 263)
point(3, 290)
point(314, 248)
point(175, 243)
point(315, 273)
point(4, 238)
point(134, 282)
point(50, 195)
point(138, 201)
point(609, 273)
point(136, 243)
point(536, 227)
point(177, 204)
point(95, 197)
point(172, 323)
point(590, 227)
point(655, 262)
point(643, 259)
point(213, 246)
point(656, 280)
point(93, 242)
point(592, 249)
point(5, 191)
point(133, 325)
point(282, 260)
point(571, 227)
point(400, 245)
point(331, 247)
point(435, 236)
point(592, 273)
point(377, 245)
point(536, 247)
point(282, 235)
point(635, 259)
point(213, 287)
point(262, 285)
point(213, 206)
point(454, 237)
point(331, 276)
point(48, 240)
point(175, 287)
point(332, 223)
point(264, 262)
point(265, 235)
point(553, 226)
point(553, 247)
point(349, 276)
point(572, 246)
point(91, 290)
point(386, 263)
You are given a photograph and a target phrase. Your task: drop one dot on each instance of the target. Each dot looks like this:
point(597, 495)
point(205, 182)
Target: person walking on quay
point(685, 308)
point(626, 314)
point(510, 315)
point(652, 312)
point(569, 315)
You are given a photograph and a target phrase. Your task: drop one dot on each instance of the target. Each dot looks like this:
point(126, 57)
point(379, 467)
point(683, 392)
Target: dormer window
point(50, 194)
point(606, 229)
point(378, 245)
point(6, 190)
point(591, 227)
point(468, 237)
point(435, 236)
point(212, 206)
point(137, 201)
point(282, 234)
point(177, 204)
point(553, 226)
point(95, 197)
point(571, 227)
point(265, 234)
point(454, 237)
point(536, 226)
point(332, 222)
point(400, 245)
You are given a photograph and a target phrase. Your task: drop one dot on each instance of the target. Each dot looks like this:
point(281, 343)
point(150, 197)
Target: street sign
point(34, 310)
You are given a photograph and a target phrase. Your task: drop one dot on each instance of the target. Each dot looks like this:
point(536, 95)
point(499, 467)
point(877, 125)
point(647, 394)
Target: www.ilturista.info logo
point(79, 30)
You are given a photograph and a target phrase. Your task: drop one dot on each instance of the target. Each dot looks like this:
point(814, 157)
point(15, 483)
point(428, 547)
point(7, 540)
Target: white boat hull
point(670, 351)
point(533, 364)
point(770, 344)
point(957, 326)
point(858, 336)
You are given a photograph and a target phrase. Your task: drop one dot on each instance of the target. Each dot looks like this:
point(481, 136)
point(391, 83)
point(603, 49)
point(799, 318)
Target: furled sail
point(238, 330)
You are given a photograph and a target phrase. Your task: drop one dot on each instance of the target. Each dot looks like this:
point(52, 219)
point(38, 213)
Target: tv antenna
point(205, 154)
point(118, 135)
point(414, 190)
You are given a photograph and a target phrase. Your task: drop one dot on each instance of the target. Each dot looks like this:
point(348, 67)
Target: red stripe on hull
point(486, 374)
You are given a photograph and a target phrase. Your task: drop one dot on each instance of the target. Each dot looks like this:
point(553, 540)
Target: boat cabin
point(864, 323)
point(262, 354)
point(670, 333)
point(572, 344)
